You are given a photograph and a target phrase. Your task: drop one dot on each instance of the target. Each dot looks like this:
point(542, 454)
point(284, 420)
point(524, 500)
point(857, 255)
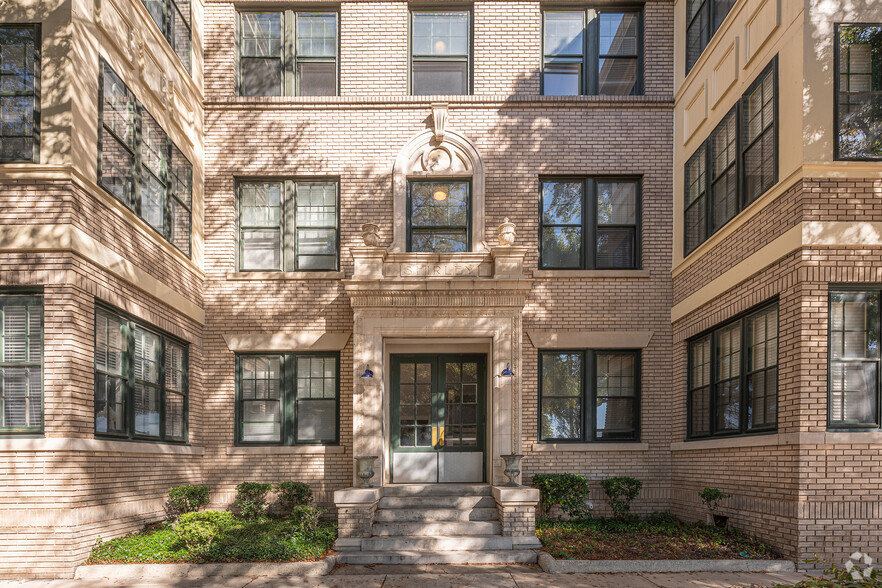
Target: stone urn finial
point(506, 232)
point(370, 233)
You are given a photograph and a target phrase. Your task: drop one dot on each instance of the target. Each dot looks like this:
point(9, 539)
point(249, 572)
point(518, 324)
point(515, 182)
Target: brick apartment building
point(219, 218)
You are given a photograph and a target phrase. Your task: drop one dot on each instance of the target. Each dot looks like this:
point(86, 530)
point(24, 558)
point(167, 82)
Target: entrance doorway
point(438, 415)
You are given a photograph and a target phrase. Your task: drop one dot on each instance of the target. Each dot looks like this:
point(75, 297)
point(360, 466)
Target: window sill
point(260, 276)
point(590, 447)
point(640, 274)
point(98, 445)
point(284, 449)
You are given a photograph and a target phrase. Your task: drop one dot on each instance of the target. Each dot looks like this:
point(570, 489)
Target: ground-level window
point(589, 395)
point(20, 93)
point(21, 364)
point(439, 216)
point(733, 376)
point(858, 83)
point(854, 359)
point(288, 398)
point(141, 380)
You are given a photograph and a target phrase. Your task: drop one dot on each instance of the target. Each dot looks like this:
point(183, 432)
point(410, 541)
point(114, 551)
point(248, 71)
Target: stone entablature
point(377, 264)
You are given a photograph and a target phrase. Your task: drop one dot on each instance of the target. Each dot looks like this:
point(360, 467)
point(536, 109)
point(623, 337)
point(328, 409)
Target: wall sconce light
point(368, 372)
point(507, 372)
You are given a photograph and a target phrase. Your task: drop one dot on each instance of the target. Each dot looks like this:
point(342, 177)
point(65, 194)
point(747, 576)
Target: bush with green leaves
point(293, 494)
point(711, 497)
point(198, 530)
point(250, 500)
point(858, 572)
point(184, 499)
point(569, 491)
point(620, 491)
point(306, 518)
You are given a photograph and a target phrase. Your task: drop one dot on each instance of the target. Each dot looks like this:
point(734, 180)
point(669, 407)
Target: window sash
point(21, 405)
point(30, 92)
point(858, 129)
point(291, 402)
point(464, 230)
point(169, 18)
point(710, 13)
point(452, 58)
point(139, 388)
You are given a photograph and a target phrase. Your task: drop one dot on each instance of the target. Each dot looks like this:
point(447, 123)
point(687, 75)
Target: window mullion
point(589, 224)
point(162, 390)
point(130, 380)
point(742, 376)
point(592, 49)
point(589, 395)
point(290, 83)
point(136, 158)
point(288, 393)
point(712, 386)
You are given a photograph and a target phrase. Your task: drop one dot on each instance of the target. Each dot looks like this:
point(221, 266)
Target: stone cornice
point(476, 298)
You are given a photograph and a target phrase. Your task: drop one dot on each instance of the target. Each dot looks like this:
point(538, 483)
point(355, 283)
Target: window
point(287, 399)
point(141, 381)
point(589, 223)
point(139, 164)
point(598, 51)
point(854, 359)
point(440, 47)
point(733, 377)
point(859, 92)
point(438, 216)
point(288, 53)
point(21, 364)
point(173, 19)
point(589, 395)
point(703, 18)
point(736, 165)
point(288, 225)
point(20, 93)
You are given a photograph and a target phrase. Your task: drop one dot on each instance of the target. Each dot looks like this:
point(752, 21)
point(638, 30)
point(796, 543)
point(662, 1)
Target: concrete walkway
point(444, 576)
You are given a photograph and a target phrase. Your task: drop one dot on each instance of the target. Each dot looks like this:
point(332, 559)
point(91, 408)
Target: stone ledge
point(357, 496)
point(97, 446)
point(774, 439)
point(605, 566)
point(515, 495)
point(260, 276)
point(285, 449)
point(632, 274)
point(126, 572)
point(590, 447)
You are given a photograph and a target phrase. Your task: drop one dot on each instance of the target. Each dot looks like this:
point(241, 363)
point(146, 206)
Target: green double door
point(438, 418)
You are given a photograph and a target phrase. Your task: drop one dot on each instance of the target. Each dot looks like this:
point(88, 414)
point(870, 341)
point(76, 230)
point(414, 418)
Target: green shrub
point(293, 494)
point(569, 491)
point(621, 491)
point(198, 530)
point(306, 518)
point(184, 499)
point(251, 499)
point(711, 497)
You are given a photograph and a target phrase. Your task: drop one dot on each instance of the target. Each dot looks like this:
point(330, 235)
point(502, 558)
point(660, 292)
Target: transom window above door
point(438, 216)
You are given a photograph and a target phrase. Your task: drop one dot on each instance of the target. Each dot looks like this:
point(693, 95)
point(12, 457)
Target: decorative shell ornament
point(506, 232)
point(370, 233)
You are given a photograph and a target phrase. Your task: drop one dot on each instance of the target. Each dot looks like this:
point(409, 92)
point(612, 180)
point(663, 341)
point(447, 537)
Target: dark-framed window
point(732, 376)
point(440, 52)
point(141, 380)
point(703, 18)
point(20, 93)
point(737, 163)
point(853, 351)
point(173, 17)
point(594, 51)
point(589, 395)
point(288, 225)
point(21, 364)
point(140, 165)
point(288, 53)
point(439, 216)
point(589, 223)
point(858, 91)
point(288, 399)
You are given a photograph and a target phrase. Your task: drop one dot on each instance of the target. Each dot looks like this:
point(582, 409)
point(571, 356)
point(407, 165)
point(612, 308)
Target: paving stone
point(496, 580)
point(581, 580)
point(722, 580)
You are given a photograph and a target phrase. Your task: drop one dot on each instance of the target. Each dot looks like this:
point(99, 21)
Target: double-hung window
point(589, 223)
point(440, 45)
point(853, 401)
point(20, 93)
point(735, 165)
point(139, 164)
point(596, 51)
point(288, 225)
point(439, 216)
point(733, 377)
point(173, 19)
point(587, 395)
point(141, 380)
point(288, 398)
point(21, 364)
point(858, 86)
point(703, 18)
point(288, 53)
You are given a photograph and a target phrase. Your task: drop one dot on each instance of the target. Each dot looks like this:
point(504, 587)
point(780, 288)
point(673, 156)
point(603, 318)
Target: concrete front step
point(440, 543)
point(508, 556)
point(422, 529)
point(407, 515)
point(427, 502)
point(436, 490)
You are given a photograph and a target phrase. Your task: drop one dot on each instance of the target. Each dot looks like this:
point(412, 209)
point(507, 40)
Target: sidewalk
point(444, 576)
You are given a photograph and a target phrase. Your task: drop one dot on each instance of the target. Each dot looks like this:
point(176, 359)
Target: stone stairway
point(437, 523)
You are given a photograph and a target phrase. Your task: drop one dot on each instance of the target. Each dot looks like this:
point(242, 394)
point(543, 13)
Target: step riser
point(437, 490)
point(436, 529)
point(404, 515)
point(448, 557)
point(464, 543)
point(436, 502)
